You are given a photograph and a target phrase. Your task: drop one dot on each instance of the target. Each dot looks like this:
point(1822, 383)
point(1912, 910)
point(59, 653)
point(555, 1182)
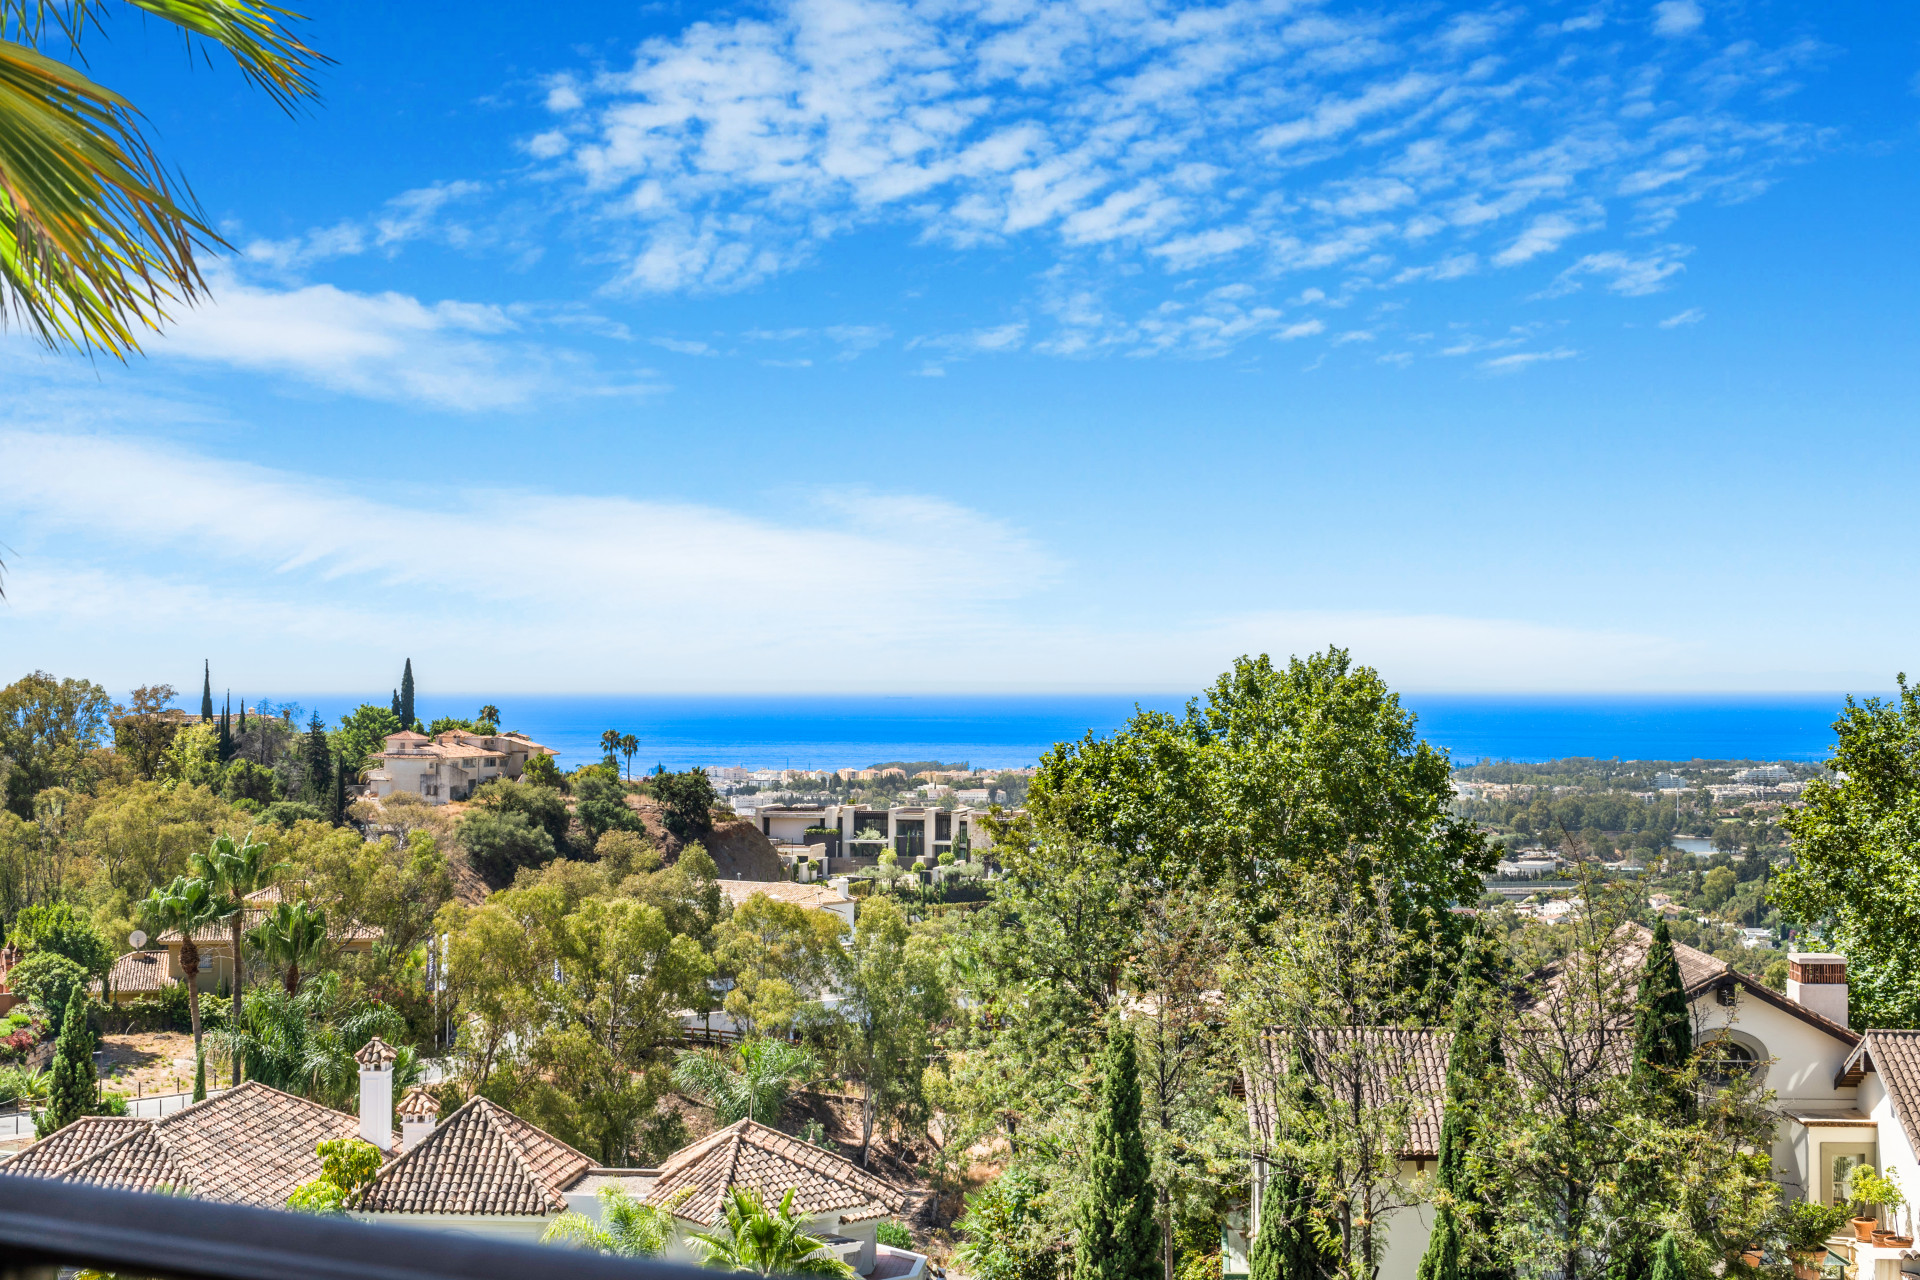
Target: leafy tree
point(245, 780)
point(610, 742)
point(144, 832)
point(499, 843)
point(627, 1228)
point(362, 733)
point(74, 1090)
point(1117, 1237)
point(751, 1084)
point(1667, 1264)
point(186, 905)
point(48, 726)
point(407, 720)
point(393, 886)
point(542, 805)
point(600, 803)
point(232, 871)
point(1007, 1236)
point(61, 930)
point(768, 1242)
point(542, 771)
point(50, 980)
point(292, 934)
point(783, 957)
point(347, 1167)
point(141, 730)
point(303, 1042)
point(1719, 886)
point(894, 995)
point(1855, 862)
point(687, 801)
point(193, 757)
point(1460, 1247)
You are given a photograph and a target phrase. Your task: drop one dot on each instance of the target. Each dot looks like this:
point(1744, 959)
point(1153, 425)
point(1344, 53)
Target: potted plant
point(1871, 1192)
point(1805, 1228)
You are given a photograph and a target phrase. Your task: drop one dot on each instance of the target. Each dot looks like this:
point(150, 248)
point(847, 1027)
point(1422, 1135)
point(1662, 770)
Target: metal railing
point(47, 1226)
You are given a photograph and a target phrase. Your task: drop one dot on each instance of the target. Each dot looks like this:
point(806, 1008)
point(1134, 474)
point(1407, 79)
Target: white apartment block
point(910, 830)
point(450, 766)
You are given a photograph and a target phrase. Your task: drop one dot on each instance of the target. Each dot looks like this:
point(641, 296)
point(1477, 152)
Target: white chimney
point(418, 1114)
point(376, 1092)
point(841, 885)
point(1817, 980)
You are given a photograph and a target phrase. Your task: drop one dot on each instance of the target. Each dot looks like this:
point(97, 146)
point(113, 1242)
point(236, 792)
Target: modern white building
point(450, 766)
point(909, 830)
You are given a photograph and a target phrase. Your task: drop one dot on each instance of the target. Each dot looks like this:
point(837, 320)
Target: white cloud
point(1304, 329)
point(1692, 315)
point(411, 215)
point(387, 346)
point(1625, 274)
point(1242, 136)
point(1677, 17)
point(1524, 359)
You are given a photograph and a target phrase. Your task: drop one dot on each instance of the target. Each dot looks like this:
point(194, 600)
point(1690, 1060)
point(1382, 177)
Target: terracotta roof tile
point(138, 1162)
point(58, 1152)
point(482, 1160)
point(1400, 1064)
point(763, 1159)
point(140, 972)
point(1895, 1055)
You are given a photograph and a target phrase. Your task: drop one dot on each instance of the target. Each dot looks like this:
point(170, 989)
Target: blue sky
point(1008, 346)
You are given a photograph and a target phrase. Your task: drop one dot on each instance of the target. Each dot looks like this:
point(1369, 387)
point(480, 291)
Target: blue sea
point(834, 732)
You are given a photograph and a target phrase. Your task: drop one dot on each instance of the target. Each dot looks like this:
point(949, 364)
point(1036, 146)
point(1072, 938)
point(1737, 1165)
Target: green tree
point(316, 763)
point(347, 1167)
point(600, 803)
point(686, 802)
point(628, 745)
point(1667, 1264)
point(499, 843)
point(490, 714)
point(542, 805)
point(782, 957)
point(1117, 1237)
point(1006, 1230)
point(292, 934)
point(363, 733)
point(232, 871)
point(143, 728)
point(627, 1228)
point(1855, 862)
point(337, 802)
point(48, 726)
point(206, 694)
point(187, 905)
point(50, 980)
point(407, 719)
point(1461, 1247)
point(303, 1043)
point(542, 771)
point(768, 1242)
point(750, 1084)
point(1719, 887)
point(61, 930)
point(1284, 1248)
point(894, 995)
point(74, 1090)
point(1662, 1028)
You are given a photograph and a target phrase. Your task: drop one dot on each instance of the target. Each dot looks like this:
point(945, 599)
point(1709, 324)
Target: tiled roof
point(1895, 1055)
point(752, 1155)
point(58, 1152)
point(482, 1160)
point(1396, 1065)
point(258, 908)
point(139, 971)
point(376, 1053)
point(251, 1145)
point(805, 895)
point(418, 1102)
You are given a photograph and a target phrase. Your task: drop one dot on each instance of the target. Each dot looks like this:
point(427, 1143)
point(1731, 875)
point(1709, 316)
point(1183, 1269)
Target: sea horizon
point(836, 731)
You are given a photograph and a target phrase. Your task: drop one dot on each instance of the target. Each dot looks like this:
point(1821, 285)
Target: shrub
point(49, 980)
point(600, 802)
point(288, 812)
point(687, 800)
point(498, 843)
point(61, 930)
point(895, 1235)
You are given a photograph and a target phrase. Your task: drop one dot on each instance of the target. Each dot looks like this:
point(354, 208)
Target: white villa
point(911, 831)
point(450, 766)
point(1842, 1098)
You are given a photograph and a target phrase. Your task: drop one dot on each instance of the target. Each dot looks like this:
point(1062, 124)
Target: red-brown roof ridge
point(693, 1182)
point(483, 1159)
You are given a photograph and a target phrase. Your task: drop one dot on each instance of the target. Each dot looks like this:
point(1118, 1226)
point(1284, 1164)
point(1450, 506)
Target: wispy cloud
point(409, 216)
point(1239, 142)
point(1630, 275)
point(1692, 315)
point(1525, 359)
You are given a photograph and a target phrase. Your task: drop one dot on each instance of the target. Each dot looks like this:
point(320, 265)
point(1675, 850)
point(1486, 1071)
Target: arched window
point(1727, 1055)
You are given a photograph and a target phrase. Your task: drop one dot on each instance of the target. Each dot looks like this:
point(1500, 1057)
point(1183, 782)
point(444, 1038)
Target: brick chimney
point(419, 1112)
point(1818, 980)
point(376, 1092)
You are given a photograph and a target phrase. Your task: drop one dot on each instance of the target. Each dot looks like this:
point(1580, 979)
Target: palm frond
point(267, 52)
point(93, 240)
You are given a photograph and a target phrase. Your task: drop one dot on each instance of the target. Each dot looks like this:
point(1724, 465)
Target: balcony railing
point(47, 1226)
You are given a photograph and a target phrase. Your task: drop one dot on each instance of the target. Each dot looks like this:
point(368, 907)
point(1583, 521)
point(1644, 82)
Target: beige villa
point(449, 766)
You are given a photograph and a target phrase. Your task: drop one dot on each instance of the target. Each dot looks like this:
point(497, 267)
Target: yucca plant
point(97, 240)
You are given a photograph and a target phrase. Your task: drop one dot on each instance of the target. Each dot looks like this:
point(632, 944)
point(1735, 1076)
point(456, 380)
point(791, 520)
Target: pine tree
point(337, 799)
point(74, 1090)
point(317, 758)
point(1284, 1248)
point(1472, 1057)
point(1118, 1236)
point(406, 696)
point(206, 695)
point(1666, 1260)
point(199, 1072)
point(1662, 1028)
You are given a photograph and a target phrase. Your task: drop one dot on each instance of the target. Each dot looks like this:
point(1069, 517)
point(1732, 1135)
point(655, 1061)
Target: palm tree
point(628, 745)
point(765, 1241)
point(293, 934)
point(627, 1228)
point(304, 1042)
point(750, 1087)
point(95, 243)
point(189, 905)
point(490, 714)
point(234, 871)
point(610, 741)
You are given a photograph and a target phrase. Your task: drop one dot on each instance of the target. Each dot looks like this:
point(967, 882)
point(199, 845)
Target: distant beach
point(831, 732)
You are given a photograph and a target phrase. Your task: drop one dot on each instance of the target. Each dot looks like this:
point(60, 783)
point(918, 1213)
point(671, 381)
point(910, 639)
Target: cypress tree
point(199, 1069)
point(406, 696)
point(317, 758)
point(1473, 1056)
point(1284, 1248)
point(1662, 1028)
point(74, 1090)
point(206, 695)
point(243, 715)
point(1666, 1260)
point(1118, 1238)
point(226, 731)
point(337, 798)
point(396, 707)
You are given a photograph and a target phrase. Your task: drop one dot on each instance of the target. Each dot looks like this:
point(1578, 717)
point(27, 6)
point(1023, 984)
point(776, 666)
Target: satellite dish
point(138, 938)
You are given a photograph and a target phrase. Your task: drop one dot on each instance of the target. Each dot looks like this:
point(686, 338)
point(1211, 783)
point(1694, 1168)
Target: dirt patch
point(147, 1062)
point(737, 847)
